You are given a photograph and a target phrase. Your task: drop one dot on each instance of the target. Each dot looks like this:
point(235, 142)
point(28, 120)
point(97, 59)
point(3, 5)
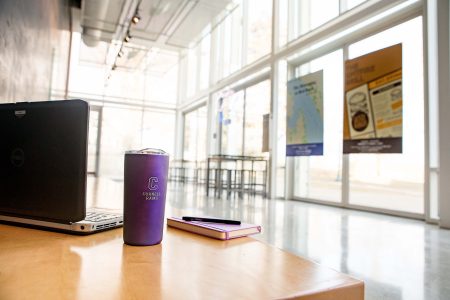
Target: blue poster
point(304, 115)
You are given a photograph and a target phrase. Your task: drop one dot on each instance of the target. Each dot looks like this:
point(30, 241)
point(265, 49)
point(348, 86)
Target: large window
point(257, 104)
point(127, 128)
point(194, 147)
point(319, 177)
point(241, 120)
point(304, 16)
point(395, 181)
point(231, 123)
point(235, 69)
point(259, 30)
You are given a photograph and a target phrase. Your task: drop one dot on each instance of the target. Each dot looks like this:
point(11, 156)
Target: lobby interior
point(206, 81)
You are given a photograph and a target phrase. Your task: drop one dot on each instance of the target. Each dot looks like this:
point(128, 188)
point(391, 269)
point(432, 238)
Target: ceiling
point(166, 26)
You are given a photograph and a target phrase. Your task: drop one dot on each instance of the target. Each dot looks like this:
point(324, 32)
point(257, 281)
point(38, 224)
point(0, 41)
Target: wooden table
point(36, 264)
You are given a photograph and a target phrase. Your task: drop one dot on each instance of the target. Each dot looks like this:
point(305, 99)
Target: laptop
point(43, 167)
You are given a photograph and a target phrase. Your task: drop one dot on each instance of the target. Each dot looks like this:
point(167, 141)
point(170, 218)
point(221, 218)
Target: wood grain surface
point(37, 264)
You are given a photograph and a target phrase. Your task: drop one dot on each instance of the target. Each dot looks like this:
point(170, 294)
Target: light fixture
point(114, 67)
point(120, 54)
point(127, 37)
point(136, 18)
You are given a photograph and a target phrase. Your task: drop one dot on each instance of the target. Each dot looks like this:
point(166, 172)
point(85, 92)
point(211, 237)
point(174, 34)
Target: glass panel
point(192, 70)
point(126, 84)
point(217, 52)
point(236, 40)
point(281, 136)
point(189, 140)
point(161, 87)
point(131, 129)
point(121, 128)
point(205, 47)
point(226, 40)
point(319, 177)
point(155, 123)
point(395, 181)
point(94, 121)
point(195, 135)
point(257, 104)
point(282, 23)
point(259, 33)
point(232, 123)
point(306, 15)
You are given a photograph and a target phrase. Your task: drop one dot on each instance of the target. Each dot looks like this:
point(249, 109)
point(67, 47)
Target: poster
point(304, 115)
point(373, 109)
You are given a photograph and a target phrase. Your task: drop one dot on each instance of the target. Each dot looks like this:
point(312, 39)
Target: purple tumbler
point(144, 196)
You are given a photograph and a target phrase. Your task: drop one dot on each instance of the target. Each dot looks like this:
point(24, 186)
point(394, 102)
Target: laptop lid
point(43, 147)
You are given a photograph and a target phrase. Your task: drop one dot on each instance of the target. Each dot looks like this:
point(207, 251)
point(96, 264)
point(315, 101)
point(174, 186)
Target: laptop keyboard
point(99, 217)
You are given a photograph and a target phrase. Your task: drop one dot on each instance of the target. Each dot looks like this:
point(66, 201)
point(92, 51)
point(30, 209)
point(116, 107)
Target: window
point(257, 104)
point(231, 119)
point(194, 147)
point(93, 139)
point(205, 47)
point(259, 32)
point(304, 16)
point(242, 119)
point(319, 177)
point(395, 181)
point(192, 69)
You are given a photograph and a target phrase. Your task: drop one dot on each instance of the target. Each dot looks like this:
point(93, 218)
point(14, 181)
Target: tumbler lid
point(147, 151)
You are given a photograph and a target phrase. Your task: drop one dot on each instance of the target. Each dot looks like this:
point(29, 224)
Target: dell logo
point(20, 113)
point(17, 157)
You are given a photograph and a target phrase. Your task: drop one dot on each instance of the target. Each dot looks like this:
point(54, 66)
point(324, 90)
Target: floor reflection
point(397, 258)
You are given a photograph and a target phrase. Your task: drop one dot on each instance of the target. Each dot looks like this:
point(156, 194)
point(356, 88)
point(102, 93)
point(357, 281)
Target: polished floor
point(397, 258)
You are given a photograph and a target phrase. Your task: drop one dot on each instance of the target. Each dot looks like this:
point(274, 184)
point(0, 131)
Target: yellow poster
point(373, 109)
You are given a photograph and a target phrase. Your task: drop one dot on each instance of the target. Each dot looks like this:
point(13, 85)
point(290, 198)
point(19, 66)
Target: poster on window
point(304, 115)
point(373, 109)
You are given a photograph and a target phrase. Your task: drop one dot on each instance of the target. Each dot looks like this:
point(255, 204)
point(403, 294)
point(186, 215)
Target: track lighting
point(120, 54)
point(127, 37)
point(136, 18)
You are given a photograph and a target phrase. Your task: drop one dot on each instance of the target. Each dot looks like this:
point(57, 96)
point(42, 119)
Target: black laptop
point(43, 167)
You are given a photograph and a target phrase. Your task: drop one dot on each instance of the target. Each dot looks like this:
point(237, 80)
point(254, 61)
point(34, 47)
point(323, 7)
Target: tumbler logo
point(152, 183)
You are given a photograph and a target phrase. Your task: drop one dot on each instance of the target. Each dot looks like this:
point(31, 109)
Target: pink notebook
point(214, 230)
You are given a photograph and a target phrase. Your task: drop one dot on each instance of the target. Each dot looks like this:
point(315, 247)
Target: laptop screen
point(43, 147)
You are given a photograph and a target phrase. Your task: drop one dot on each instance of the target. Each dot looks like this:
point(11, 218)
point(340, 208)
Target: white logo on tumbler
point(152, 183)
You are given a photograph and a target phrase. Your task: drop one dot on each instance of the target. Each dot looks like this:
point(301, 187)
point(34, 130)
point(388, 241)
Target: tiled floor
point(397, 258)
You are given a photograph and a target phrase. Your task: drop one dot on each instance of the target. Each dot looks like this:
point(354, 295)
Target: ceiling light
point(120, 54)
point(114, 67)
point(136, 18)
point(127, 37)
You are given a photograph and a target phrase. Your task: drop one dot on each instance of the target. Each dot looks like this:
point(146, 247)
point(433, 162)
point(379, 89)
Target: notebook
point(43, 167)
point(214, 230)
